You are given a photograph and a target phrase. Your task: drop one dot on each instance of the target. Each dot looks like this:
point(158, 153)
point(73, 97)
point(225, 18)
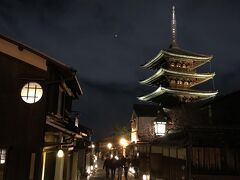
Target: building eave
point(163, 71)
point(23, 47)
point(177, 92)
point(28, 55)
point(78, 86)
point(153, 60)
point(186, 54)
point(163, 53)
point(51, 122)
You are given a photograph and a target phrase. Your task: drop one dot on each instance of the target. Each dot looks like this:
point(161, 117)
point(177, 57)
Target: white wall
point(145, 128)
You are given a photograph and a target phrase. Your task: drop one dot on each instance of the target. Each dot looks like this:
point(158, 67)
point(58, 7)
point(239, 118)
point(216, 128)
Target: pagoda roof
point(177, 92)
point(177, 52)
point(163, 71)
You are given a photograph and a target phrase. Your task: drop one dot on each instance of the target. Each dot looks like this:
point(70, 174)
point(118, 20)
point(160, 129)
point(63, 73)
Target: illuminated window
point(134, 137)
point(146, 177)
point(172, 81)
point(31, 92)
point(3, 153)
point(76, 121)
point(178, 65)
point(186, 83)
point(160, 128)
point(179, 82)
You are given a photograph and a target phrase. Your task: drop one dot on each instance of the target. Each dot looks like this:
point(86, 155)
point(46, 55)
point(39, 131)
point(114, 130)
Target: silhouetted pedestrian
point(120, 167)
point(113, 163)
point(126, 161)
point(107, 166)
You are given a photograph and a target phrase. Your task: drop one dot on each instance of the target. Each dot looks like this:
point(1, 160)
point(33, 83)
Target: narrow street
point(100, 173)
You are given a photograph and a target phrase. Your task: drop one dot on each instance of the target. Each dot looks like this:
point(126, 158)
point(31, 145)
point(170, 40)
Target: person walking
point(106, 166)
point(126, 166)
point(120, 167)
point(113, 163)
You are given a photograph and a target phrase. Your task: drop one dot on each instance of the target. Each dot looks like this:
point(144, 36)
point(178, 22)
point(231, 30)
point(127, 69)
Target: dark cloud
point(81, 33)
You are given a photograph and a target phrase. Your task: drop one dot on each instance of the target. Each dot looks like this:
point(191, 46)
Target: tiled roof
point(180, 51)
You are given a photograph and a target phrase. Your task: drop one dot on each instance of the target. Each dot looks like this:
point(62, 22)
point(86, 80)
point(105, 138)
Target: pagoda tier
point(177, 59)
point(176, 79)
point(177, 95)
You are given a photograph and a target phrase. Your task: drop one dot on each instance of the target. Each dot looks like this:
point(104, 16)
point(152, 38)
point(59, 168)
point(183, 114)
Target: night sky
point(106, 41)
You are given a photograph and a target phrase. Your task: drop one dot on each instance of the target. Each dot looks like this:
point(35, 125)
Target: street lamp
point(123, 142)
point(109, 145)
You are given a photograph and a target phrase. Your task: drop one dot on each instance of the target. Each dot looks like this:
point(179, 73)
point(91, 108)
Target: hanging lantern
point(60, 153)
point(160, 123)
point(160, 128)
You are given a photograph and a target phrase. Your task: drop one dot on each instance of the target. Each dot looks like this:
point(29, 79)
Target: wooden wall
point(21, 124)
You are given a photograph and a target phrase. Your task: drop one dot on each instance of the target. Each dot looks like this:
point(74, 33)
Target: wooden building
point(36, 123)
point(202, 153)
point(142, 122)
point(222, 111)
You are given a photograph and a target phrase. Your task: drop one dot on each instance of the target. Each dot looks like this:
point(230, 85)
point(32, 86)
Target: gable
point(22, 54)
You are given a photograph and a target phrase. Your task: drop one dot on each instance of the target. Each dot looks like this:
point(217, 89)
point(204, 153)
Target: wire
point(210, 68)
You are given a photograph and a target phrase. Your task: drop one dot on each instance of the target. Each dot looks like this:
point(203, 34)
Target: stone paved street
point(100, 174)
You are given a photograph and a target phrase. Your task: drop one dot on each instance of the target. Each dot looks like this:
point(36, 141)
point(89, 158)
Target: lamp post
point(92, 157)
point(123, 142)
point(59, 165)
point(109, 146)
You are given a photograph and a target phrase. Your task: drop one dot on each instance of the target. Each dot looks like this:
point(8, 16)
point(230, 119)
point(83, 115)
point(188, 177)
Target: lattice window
point(31, 92)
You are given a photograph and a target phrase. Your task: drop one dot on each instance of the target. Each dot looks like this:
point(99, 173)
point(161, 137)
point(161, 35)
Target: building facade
point(203, 153)
point(142, 122)
point(36, 102)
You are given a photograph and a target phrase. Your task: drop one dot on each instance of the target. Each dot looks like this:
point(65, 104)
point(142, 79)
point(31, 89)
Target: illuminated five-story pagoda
point(176, 75)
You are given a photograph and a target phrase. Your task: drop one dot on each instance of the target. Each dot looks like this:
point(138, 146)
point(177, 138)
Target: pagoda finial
point(174, 27)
